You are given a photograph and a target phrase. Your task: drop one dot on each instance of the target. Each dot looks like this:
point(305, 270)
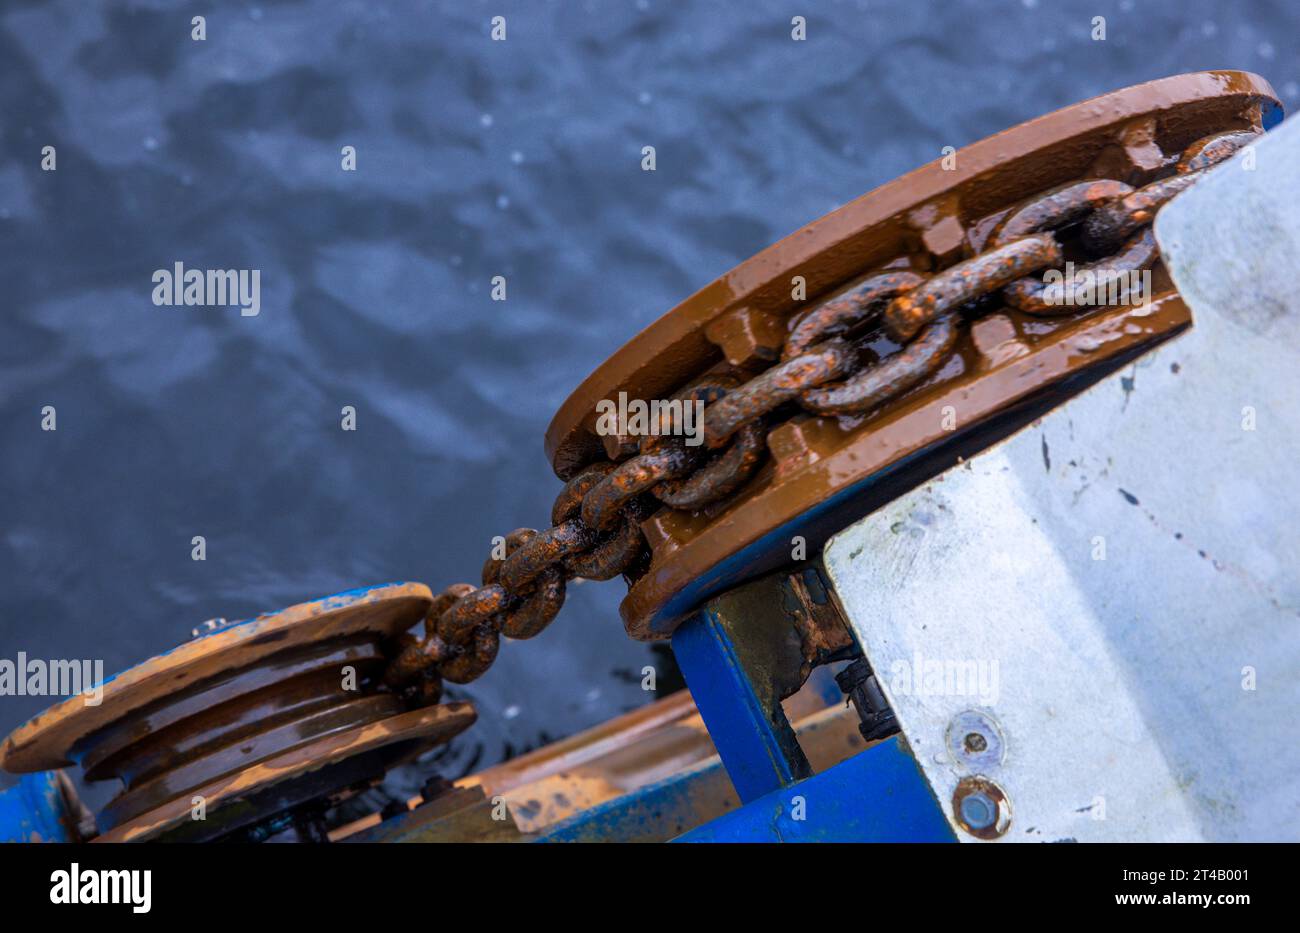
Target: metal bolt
point(975, 742)
point(981, 808)
point(979, 811)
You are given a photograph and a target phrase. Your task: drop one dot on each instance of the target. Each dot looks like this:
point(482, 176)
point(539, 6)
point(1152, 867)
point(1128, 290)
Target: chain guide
point(248, 722)
point(879, 345)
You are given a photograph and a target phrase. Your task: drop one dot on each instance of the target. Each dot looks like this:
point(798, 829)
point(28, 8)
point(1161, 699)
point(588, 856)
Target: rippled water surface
point(475, 159)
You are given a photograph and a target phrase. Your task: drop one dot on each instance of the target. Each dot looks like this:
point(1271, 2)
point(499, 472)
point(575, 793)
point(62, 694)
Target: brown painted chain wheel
point(979, 373)
point(249, 721)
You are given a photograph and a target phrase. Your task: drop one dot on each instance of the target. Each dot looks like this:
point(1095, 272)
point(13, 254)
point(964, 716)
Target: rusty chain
point(595, 528)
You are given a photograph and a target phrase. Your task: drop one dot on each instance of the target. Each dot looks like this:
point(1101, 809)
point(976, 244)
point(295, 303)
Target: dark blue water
point(474, 159)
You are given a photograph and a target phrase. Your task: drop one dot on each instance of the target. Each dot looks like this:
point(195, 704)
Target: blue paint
point(34, 810)
point(822, 680)
point(751, 739)
point(654, 812)
point(1271, 115)
point(878, 795)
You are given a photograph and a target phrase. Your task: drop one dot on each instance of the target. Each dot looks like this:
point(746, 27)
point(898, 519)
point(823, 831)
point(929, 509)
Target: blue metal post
point(754, 739)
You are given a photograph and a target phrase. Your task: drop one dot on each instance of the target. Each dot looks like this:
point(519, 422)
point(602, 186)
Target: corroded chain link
point(596, 521)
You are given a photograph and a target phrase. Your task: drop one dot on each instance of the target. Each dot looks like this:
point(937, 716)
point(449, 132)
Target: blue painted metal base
point(878, 795)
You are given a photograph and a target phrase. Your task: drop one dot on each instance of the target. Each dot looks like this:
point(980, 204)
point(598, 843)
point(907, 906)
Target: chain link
point(596, 521)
